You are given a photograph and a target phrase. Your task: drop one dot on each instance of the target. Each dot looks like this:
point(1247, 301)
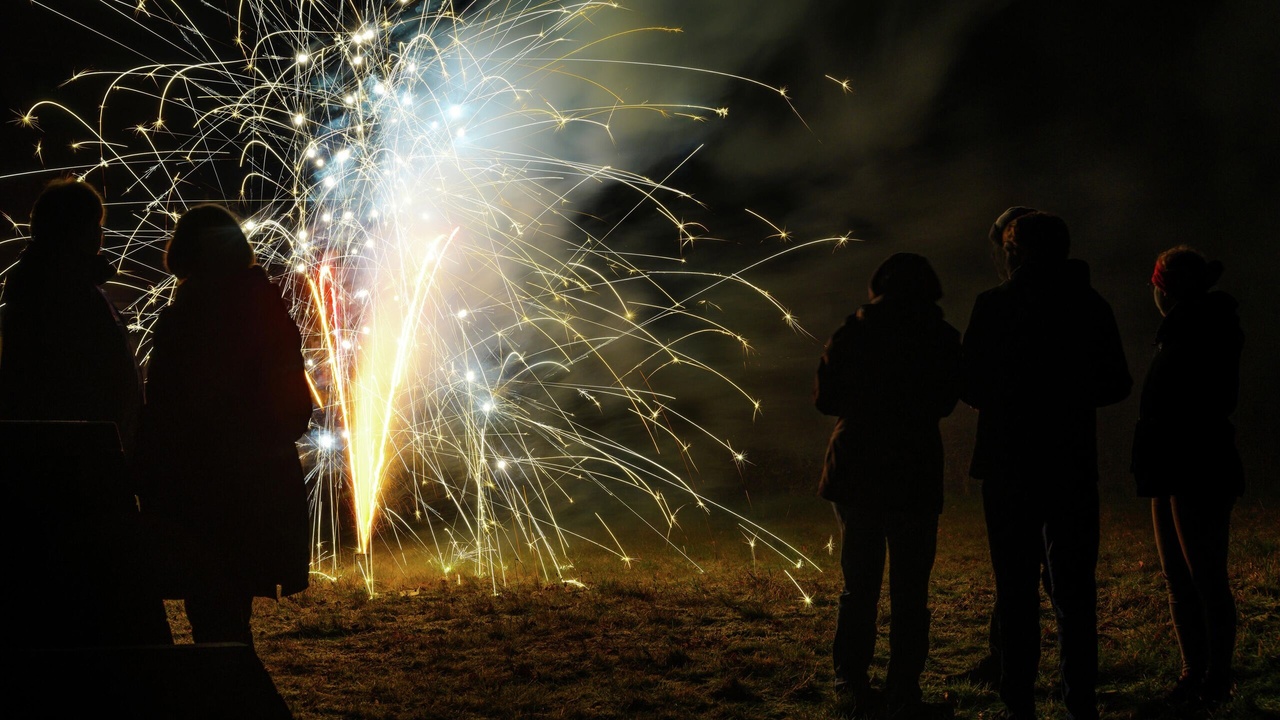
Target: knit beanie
point(996, 234)
point(1183, 271)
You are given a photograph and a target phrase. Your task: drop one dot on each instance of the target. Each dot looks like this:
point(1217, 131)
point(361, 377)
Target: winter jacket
point(1184, 443)
point(889, 373)
point(64, 354)
point(1042, 352)
point(227, 399)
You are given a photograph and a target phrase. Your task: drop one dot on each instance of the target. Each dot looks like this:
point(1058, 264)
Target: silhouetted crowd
point(221, 513)
point(1041, 353)
point(212, 459)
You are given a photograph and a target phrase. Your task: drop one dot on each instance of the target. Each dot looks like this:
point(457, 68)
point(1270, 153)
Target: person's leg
point(218, 616)
point(1203, 527)
point(913, 544)
point(1185, 607)
point(1015, 534)
point(862, 551)
point(1071, 543)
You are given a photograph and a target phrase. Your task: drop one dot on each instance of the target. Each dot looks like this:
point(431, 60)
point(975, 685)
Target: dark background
point(1143, 125)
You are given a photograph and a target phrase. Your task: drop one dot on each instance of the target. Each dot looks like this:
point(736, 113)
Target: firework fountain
point(474, 339)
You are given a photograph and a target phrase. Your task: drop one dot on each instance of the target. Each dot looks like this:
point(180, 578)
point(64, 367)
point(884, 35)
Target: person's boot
point(985, 674)
point(858, 700)
point(1216, 689)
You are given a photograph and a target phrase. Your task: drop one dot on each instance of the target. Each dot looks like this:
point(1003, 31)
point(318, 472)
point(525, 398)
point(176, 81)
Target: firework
point(415, 178)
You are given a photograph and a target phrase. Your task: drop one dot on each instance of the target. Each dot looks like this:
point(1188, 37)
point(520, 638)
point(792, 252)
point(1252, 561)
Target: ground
point(737, 639)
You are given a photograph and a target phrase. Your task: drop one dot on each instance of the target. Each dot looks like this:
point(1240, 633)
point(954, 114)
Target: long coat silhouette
point(66, 360)
point(227, 398)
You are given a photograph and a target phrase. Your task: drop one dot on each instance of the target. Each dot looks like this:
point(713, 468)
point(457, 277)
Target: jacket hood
point(886, 310)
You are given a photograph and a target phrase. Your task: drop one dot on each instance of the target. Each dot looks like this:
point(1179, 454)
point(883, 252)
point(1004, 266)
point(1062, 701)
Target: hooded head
point(207, 241)
point(1182, 272)
point(905, 277)
point(1034, 238)
point(67, 219)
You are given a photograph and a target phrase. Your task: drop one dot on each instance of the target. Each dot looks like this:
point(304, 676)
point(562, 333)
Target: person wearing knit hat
point(1182, 272)
point(890, 373)
point(1185, 459)
point(1041, 354)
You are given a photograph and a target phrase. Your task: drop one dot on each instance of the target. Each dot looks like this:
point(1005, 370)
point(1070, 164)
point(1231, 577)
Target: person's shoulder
point(1001, 294)
point(948, 332)
point(1221, 304)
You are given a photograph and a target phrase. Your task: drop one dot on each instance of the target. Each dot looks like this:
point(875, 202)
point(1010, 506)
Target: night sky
point(1142, 126)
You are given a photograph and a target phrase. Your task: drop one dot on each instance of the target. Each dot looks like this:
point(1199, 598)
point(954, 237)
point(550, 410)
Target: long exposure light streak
point(416, 177)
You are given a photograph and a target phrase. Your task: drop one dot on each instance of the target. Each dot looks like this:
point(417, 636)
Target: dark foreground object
point(215, 680)
point(85, 556)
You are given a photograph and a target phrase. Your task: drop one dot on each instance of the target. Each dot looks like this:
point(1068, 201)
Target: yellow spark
point(845, 85)
point(808, 599)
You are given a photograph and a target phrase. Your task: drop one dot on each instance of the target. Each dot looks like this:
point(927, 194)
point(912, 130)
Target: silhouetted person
point(66, 362)
point(987, 670)
point(227, 397)
point(889, 374)
point(65, 354)
point(1041, 354)
point(1185, 459)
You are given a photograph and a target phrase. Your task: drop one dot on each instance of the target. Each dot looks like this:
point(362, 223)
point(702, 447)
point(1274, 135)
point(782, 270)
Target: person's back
point(889, 374)
point(65, 355)
point(227, 396)
point(1188, 396)
point(1185, 459)
point(1042, 353)
point(70, 398)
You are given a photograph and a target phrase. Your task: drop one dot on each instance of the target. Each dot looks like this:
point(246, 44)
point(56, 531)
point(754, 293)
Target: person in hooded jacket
point(65, 353)
point(227, 398)
point(65, 357)
point(1185, 459)
point(1042, 352)
point(890, 373)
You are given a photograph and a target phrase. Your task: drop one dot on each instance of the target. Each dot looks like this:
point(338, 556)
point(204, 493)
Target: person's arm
point(832, 384)
point(1112, 382)
point(287, 391)
point(975, 357)
point(948, 370)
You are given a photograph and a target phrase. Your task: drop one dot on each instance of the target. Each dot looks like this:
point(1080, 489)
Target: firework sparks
point(414, 180)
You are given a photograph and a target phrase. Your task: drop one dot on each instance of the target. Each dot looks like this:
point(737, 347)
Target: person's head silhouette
point(1035, 238)
point(1182, 272)
point(905, 277)
point(67, 219)
point(207, 242)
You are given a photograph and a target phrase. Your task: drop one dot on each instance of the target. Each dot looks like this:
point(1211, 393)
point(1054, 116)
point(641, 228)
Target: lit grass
point(661, 640)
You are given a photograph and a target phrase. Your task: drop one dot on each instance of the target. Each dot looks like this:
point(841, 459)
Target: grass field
point(738, 640)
